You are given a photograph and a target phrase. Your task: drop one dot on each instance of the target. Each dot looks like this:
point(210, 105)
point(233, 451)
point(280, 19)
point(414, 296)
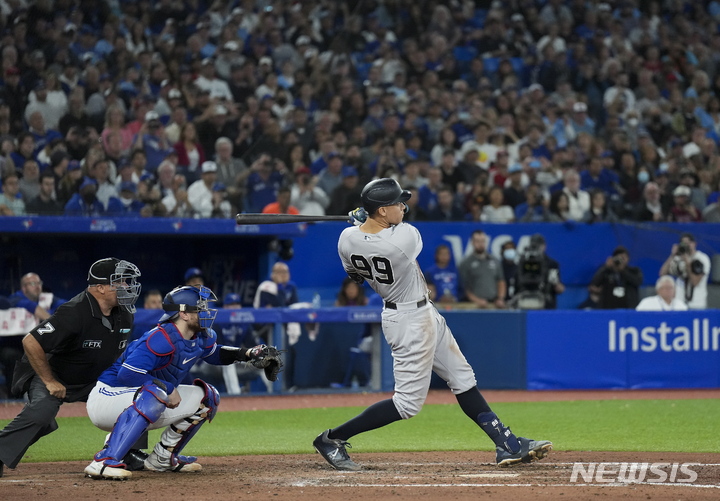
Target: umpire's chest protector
point(177, 355)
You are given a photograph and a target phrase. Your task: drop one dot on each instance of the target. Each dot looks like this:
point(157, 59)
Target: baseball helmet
point(381, 193)
point(121, 275)
point(190, 299)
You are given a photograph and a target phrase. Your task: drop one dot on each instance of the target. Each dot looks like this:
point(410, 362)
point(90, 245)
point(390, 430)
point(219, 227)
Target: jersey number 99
point(380, 270)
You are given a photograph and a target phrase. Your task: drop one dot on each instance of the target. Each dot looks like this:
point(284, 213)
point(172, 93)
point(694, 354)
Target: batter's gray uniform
point(386, 257)
point(420, 339)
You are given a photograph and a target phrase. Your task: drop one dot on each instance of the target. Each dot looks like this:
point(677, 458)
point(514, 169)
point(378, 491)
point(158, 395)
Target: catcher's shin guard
point(498, 432)
point(149, 404)
point(177, 435)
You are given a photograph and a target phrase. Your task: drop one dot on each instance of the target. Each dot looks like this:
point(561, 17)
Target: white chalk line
point(616, 484)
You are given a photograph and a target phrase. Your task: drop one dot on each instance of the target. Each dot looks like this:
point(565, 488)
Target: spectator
point(212, 124)
point(306, 196)
point(100, 171)
point(331, 176)
point(200, 192)
point(221, 206)
point(232, 172)
point(152, 141)
point(616, 283)
point(559, 208)
point(45, 203)
point(30, 181)
point(11, 202)
point(263, 183)
point(189, 152)
point(194, 277)
point(428, 194)
point(535, 208)
point(682, 210)
point(495, 211)
point(444, 276)
point(599, 211)
point(40, 305)
point(278, 292)
point(346, 197)
point(578, 199)
point(597, 176)
point(481, 275)
point(691, 269)
point(176, 203)
point(653, 206)
point(243, 336)
point(353, 294)
point(152, 300)
point(127, 203)
point(282, 204)
point(85, 202)
point(665, 299)
point(538, 279)
point(513, 187)
point(70, 182)
point(446, 208)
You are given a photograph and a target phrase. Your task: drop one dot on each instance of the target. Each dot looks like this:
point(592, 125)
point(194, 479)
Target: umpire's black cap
point(101, 270)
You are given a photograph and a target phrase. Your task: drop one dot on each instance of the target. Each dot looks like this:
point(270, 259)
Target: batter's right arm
point(38, 361)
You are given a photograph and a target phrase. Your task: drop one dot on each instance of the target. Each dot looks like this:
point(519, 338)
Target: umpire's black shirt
point(82, 343)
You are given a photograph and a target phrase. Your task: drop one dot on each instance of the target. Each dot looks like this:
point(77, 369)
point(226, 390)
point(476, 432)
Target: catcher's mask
point(121, 276)
point(189, 298)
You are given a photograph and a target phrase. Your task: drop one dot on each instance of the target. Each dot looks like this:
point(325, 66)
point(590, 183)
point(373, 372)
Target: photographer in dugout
point(538, 278)
point(616, 282)
point(691, 269)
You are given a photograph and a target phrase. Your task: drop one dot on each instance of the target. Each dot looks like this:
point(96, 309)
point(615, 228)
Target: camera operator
point(691, 269)
point(617, 283)
point(538, 278)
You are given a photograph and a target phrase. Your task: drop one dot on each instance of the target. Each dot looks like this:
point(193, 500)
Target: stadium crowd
point(522, 110)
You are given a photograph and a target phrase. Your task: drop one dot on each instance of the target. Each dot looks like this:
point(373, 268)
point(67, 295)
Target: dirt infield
point(429, 475)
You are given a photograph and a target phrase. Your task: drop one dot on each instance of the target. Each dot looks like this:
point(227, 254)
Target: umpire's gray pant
point(36, 420)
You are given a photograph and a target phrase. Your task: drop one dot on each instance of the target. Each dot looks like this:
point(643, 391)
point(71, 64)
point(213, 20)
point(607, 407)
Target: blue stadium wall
point(560, 349)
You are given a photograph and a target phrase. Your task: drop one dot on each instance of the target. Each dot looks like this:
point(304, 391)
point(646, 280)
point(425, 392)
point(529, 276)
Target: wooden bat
point(284, 218)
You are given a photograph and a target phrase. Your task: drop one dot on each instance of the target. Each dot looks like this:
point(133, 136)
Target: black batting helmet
point(382, 192)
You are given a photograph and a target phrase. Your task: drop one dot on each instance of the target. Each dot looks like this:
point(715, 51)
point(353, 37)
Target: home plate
point(490, 475)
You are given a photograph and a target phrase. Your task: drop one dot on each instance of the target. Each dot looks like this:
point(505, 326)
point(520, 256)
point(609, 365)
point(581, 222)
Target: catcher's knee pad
point(211, 400)
point(407, 406)
point(150, 402)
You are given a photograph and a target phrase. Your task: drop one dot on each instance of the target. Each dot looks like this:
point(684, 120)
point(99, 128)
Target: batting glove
point(357, 216)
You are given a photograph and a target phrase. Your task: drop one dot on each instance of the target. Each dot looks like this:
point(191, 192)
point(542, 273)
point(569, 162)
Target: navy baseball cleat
point(530, 450)
point(135, 460)
point(334, 452)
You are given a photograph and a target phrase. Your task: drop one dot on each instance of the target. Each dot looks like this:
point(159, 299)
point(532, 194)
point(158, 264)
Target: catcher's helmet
point(190, 299)
point(382, 192)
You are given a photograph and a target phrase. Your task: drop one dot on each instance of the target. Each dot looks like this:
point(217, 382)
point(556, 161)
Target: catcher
point(142, 390)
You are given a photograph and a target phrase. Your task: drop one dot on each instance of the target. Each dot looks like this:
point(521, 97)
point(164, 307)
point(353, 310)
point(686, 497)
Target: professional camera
point(617, 261)
point(683, 248)
point(532, 278)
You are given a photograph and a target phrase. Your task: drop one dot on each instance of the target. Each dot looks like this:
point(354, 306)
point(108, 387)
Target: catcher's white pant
point(105, 403)
point(421, 343)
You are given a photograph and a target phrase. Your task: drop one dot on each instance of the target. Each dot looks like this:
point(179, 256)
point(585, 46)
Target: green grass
point(606, 425)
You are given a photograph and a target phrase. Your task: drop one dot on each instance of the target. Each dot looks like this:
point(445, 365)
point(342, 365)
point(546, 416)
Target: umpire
point(65, 355)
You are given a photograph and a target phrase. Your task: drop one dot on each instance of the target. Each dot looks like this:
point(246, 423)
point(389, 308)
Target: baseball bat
point(284, 218)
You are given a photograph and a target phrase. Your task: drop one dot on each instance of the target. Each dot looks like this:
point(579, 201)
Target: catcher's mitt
point(267, 358)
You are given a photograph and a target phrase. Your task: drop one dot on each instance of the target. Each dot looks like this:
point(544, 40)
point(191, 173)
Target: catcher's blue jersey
point(161, 353)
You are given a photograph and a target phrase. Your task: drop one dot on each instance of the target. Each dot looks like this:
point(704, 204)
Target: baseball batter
point(382, 250)
point(142, 389)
